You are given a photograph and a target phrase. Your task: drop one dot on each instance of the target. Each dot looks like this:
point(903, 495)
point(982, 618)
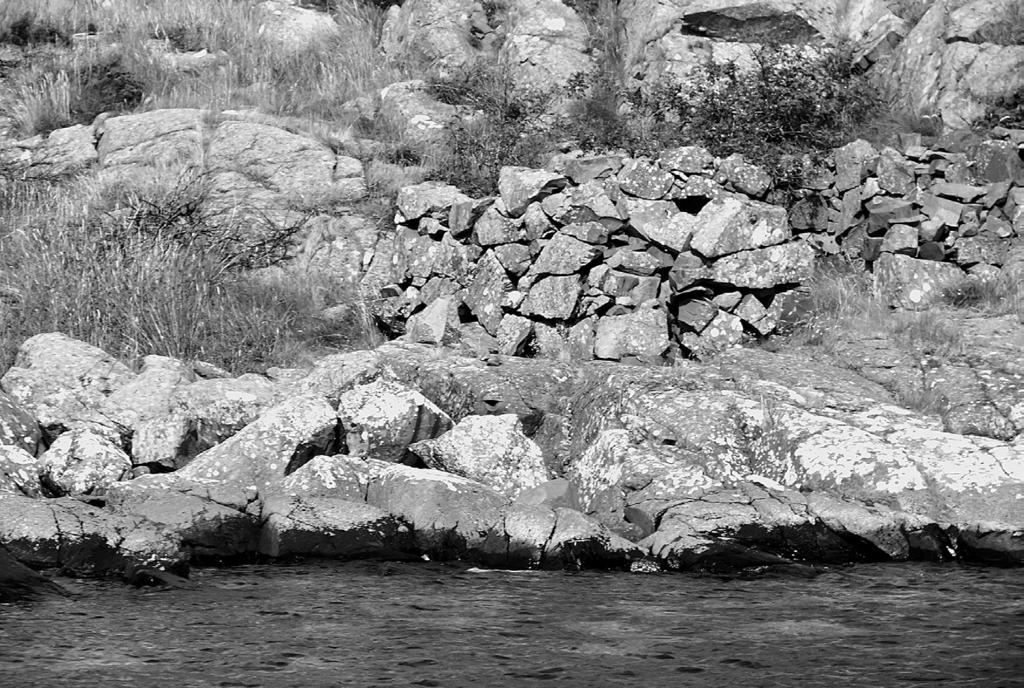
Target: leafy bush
point(793, 101)
point(506, 129)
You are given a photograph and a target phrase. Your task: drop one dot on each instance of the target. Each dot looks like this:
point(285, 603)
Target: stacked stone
point(602, 257)
point(920, 217)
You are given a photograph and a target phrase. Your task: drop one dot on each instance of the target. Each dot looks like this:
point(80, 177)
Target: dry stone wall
point(639, 259)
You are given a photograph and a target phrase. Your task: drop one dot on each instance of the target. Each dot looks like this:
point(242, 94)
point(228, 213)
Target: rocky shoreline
point(756, 460)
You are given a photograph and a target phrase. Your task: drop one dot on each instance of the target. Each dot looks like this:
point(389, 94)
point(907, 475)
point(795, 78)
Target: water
point(371, 624)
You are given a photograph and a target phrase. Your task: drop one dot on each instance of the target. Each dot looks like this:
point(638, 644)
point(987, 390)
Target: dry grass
point(252, 68)
point(133, 286)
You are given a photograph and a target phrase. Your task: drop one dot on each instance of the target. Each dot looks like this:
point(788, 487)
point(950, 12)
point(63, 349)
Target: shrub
point(28, 29)
point(792, 101)
point(506, 129)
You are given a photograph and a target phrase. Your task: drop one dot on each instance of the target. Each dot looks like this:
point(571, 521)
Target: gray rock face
point(490, 449)
point(214, 410)
point(486, 292)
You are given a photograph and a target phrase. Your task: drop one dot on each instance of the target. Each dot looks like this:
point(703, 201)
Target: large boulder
point(208, 522)
point(278, 442)
point(546, 45)
point(331, 527)
point(215, 409)
point(81, 539)
point(913, 283)
point(435, 33)
point(82, 462)
point(381, 419)
point(294, 29)
point(60, 380)
point(451, 516)
point(145, 407)
point(490, 449)
point(728, 225)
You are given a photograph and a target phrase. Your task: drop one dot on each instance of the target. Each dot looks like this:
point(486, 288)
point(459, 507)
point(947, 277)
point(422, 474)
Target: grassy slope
point(148, 292)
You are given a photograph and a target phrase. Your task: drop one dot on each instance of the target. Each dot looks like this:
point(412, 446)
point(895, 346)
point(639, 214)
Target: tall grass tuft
point(132, 284)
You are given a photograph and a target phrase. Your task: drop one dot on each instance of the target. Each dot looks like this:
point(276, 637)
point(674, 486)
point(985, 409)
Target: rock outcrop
point(759, 461)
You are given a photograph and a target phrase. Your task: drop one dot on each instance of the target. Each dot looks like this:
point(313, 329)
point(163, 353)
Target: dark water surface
point(371, 624)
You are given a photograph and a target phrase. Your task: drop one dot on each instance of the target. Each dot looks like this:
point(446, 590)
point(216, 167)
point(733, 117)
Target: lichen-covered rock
point(81, 539)
point(331, 527)
point(853, 162)
point(335, 374)
point(428, 199)
point(146, 407)
point(486, 292)
point(563, 255)
point(912, 283)
point(338, 476)
point(644, 179)
point(381, 419)
point(60, 380)
point(745, 177)
point(266, 450)
point(588, 202)
point(661, 222)
point(420, 118)
point(215, 409)
point(17, 426)
point(19, 471)
point(438, 33)
point(521, 186)
point(489, 449)
point(82, 462)
point(730, 225)
point(642, 333)
point(207, 521)
point(451, 516)
point(766, 267)
point(545, 46)
point(553, 297)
